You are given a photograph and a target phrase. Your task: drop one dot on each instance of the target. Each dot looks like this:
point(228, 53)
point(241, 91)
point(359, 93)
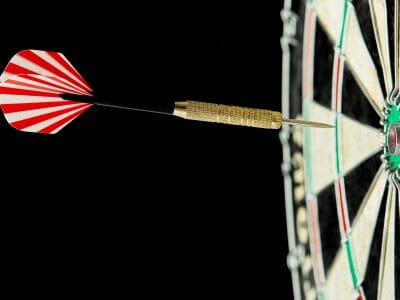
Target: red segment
point(394, 141)
point(11, 108)
point(309, 57)
point(31, 56)
point(17, 69)
point(64, 62)
point(314, 226)
point(342, 205)
point(315, 241)
point(34, 120)
point(65, 121)
point(14, 91)
point(361, 295)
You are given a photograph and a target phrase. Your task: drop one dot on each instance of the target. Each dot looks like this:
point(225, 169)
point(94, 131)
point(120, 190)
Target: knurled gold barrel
point(228, 114)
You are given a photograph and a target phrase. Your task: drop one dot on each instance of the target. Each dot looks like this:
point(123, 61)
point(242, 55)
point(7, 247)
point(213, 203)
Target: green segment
point(393, 117)
point(343, 27)
point(308, 153)
point(395, 160)
point(352, 264)
point(321, 295)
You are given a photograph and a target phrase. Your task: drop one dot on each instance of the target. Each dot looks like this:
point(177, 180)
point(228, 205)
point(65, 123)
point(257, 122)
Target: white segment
point(363, 226)
point(22, 115)
point(387, 285)
point(330, 16)
point(322, 143)
point(380, 23)
point(39, 126)
point(359, 142)
point(339, 282)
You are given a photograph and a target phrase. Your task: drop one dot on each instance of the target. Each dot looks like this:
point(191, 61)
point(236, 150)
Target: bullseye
point(394, 139)
point(392, 131)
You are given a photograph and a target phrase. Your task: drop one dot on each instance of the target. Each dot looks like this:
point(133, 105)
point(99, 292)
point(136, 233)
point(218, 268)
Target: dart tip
point(307, 123)
point(323, 125)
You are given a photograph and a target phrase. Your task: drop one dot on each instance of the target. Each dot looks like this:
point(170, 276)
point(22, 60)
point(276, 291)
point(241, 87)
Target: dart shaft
point(158, 110)
point(228, 114)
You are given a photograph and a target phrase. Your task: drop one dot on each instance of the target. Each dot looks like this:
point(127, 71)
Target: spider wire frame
point(387, 175)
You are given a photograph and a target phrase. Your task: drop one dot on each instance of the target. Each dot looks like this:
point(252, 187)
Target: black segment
point(390, 6)
point(371, 279)
point(357, 183)
point(364, 18)
point(329, 226)
point(355, 104)
point(323, 64)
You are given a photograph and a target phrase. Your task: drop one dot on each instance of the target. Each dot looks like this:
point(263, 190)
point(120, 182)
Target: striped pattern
point(47, 63)
point(30, 91)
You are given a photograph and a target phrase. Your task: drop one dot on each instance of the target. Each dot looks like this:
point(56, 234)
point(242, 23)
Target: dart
point(42, 92)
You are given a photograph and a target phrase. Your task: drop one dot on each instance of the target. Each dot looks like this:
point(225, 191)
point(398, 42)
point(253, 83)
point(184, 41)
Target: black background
point(120, 201)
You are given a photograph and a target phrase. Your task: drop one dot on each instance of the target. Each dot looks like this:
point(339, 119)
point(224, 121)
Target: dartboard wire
point(396, 182)
point(311, 197)
point(339, 180)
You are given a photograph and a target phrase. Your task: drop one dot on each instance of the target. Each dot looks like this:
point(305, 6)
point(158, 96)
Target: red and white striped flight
point(30, 89)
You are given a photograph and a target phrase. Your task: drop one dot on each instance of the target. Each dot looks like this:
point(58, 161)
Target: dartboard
point(341, 65)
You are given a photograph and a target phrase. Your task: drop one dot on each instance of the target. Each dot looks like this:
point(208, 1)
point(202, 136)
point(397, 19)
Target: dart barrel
point(228, 114)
